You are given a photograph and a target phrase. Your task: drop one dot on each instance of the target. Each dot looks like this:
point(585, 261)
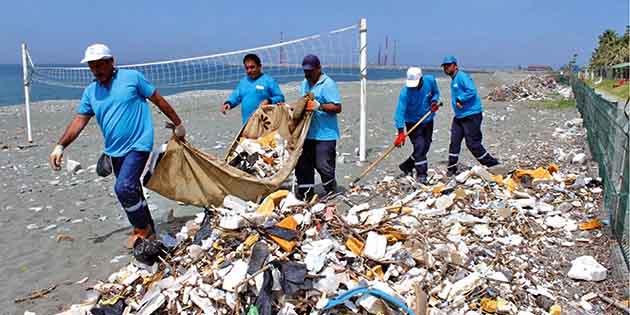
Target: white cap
point(413, 76)
point(96, 52)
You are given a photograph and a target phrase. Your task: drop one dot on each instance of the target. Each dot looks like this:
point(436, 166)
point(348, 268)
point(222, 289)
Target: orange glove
point(400, 139)
point(434, 107)
point(312, 105)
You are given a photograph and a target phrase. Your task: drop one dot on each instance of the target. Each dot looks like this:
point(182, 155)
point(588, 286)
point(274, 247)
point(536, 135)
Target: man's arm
point(332, 98)
point(74, 129)
point(235, 97)
point(165, 107)
point(276, 93)
point(72, 132)
point(331, 108)
point(468, 86)
point(401, 108)
point(435, 93)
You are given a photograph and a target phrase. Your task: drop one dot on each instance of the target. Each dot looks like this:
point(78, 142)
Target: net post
point(363, 96)
point(27, 93)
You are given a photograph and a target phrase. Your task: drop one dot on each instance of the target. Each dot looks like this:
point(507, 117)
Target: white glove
point(56, 157)
point(180, 131)
point(316, 105)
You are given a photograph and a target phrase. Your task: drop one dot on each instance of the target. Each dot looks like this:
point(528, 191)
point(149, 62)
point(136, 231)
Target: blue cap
point(310, 62)
point(449, 59)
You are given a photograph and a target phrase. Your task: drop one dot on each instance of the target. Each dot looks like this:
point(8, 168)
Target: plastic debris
point(587, 268)
point(477, 243)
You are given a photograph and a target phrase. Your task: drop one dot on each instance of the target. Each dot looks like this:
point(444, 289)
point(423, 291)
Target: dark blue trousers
point(421, 139)
point(468, 128)
point(128, 170)
point(316, 155)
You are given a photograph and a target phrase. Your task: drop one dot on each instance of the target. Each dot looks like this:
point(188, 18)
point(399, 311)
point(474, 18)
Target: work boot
point(422, 179)
point(407, 166)
point(137, 233)
point(451, 172)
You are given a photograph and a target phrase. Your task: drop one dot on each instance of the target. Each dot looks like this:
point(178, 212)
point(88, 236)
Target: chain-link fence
point(607, 125)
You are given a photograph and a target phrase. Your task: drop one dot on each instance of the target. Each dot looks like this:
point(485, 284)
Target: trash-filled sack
point(260, 159)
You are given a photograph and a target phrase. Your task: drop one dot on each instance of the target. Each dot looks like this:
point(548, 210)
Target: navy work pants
point(468, 128)
point(316, 155)
point(128, 170)
point(421, 139)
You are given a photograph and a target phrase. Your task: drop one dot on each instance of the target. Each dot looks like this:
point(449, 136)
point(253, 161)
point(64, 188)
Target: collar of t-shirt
point(110, 82)
point(322, 78)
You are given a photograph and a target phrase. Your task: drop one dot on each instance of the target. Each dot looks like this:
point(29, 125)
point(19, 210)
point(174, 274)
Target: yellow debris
point(268, 141)
point(377, 272)
point(266, 208)
point(489, 305)
point(437, 189)
point(498, 179)
point(355, 246)
point(271, 202)
point(460, 193)
point(590, 225)
point(251, 240)
point(287, 223)
point(555, 310)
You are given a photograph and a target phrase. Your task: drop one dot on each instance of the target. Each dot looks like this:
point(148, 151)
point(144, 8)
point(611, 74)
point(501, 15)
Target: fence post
point(27, 93)
point(363, 97)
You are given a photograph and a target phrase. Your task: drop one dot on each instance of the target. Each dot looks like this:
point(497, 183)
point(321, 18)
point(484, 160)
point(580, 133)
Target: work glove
point(400, 139)
point(179, 131)
point(313, 105)
point(56, 157)
point(434, 107)
point(225, 108)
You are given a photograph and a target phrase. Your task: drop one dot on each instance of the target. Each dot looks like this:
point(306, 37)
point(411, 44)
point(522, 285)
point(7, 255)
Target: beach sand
point(38, 204)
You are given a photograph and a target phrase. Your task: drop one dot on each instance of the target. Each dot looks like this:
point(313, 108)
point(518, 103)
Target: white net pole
point(27, 93)
point(363, 96)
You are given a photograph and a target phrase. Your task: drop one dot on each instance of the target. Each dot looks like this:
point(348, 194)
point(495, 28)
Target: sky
point(480, 33)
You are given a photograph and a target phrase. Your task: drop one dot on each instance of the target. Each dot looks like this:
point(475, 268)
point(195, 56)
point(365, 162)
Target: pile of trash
point(477, 243)
point(534, 88)
point(262, 157)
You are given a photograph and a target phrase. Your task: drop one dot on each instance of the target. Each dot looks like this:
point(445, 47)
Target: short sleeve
point(85, 106)
point(145, 88)
point(331, 93)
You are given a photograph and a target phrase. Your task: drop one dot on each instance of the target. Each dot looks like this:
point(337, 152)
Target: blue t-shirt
point(324, 125)
point(463, 89)
point(121, 111)
point(249, 93)
point(414, 103)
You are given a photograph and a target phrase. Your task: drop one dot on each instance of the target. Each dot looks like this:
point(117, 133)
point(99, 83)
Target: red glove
point(400, 139)
point(434, 107)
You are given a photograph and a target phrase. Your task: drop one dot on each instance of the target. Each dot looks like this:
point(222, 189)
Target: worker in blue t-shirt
point(466, 123)
point(419, 96)
point(117, 98)
point(320, 147)
point(254, 90)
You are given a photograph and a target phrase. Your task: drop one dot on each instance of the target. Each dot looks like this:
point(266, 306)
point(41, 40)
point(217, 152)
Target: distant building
point(539, 68)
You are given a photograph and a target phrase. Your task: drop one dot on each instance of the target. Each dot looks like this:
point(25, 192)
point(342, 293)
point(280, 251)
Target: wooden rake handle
point(390, 149)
